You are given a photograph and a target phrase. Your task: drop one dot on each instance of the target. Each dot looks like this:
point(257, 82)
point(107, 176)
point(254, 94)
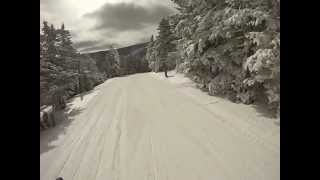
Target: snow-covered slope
point(146, 127)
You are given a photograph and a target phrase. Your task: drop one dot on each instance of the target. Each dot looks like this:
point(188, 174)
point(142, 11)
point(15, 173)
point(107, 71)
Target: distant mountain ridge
point(132, 57)
point(122, 51)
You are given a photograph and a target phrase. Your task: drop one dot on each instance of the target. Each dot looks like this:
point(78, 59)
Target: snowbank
point(226, 107)
point(81, 101)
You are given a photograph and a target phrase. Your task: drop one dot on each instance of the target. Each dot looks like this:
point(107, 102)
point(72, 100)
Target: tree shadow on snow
point(64, 120)
point(262, 110)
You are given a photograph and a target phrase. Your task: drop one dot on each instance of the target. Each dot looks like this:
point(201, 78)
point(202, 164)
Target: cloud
point(121, 17)
point(96, 24)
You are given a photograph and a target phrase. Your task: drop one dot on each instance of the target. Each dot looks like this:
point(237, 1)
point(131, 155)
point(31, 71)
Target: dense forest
point(64, 72)
point(230, 48)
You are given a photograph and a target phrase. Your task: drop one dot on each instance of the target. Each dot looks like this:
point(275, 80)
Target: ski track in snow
point(147, 127)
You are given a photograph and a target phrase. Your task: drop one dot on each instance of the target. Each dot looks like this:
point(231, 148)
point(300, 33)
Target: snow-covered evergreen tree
point(231, 47)
point(58, 66)
point(157, 51)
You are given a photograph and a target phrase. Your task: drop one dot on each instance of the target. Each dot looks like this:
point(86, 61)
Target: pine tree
point(52, 37)
point(47, 42)
point(56, 71)
point(115, 55)
point(117, 61)
point(150, 44)
point(65, 43)
point(148, 56)
point(66, 52)
point(164, 39)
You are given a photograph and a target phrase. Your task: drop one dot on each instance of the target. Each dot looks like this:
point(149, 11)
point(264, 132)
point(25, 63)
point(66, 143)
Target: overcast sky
point(95, 24)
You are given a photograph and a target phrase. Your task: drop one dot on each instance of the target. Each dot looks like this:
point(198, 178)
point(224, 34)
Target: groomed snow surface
point(147, 127)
